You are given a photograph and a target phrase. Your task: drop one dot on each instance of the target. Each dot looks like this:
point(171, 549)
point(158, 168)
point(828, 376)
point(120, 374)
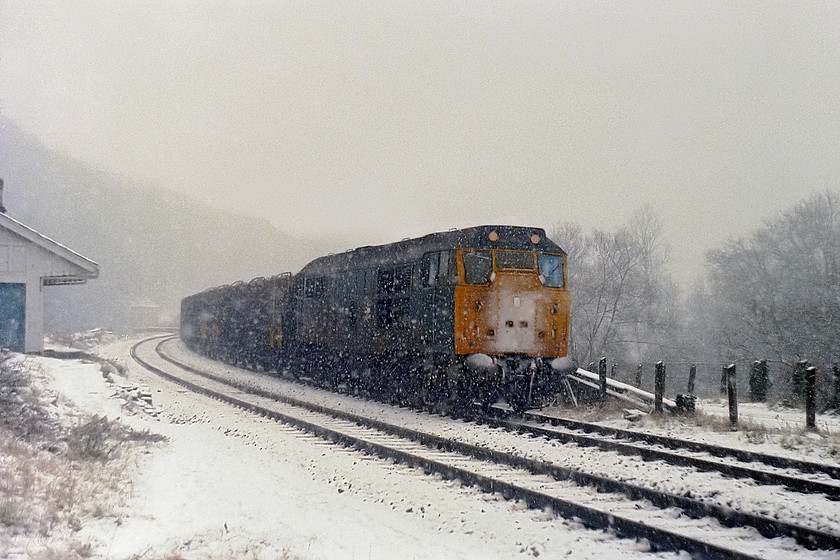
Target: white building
point(29, 262)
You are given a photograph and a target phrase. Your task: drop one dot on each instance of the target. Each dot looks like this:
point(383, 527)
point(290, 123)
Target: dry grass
point(55, 478)
point(60, 474)
point(44, 494)
point(219, 546)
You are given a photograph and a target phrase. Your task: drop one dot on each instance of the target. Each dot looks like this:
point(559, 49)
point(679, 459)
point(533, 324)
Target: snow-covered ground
point(230, 484)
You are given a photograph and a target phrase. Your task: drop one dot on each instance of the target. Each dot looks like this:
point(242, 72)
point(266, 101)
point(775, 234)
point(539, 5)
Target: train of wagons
point(455, 319)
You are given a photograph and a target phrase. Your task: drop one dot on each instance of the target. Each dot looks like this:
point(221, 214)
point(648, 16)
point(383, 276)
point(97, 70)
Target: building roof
point(84, 268)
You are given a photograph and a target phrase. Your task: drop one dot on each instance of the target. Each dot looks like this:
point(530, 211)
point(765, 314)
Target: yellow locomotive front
point(511, 302)
point(512, 321)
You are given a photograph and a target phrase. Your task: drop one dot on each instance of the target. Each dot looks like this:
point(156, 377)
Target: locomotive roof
point(479, 237)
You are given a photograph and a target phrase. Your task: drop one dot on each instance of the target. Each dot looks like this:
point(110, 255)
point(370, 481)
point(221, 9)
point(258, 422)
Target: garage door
point(12, 316)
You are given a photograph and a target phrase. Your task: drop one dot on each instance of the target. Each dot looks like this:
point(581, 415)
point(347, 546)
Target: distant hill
point(153, 246)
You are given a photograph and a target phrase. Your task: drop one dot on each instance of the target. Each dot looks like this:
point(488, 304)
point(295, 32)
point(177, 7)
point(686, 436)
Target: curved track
point(538, 483)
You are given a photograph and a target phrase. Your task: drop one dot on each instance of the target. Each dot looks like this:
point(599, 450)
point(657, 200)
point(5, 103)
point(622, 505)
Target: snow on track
point(812, 511)
point(233, 484)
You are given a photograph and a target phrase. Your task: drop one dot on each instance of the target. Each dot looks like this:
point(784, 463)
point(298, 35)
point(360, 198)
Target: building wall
point(24, 262)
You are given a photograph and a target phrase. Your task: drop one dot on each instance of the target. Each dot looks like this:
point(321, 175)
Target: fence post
point(759, 381)
point(602, 377)
point(723, 381)
point(639, 377)
point(800, 370)
point(692, 375)
point(811, 398)
point(732, 389)
point(659, 387)
point(836, 400)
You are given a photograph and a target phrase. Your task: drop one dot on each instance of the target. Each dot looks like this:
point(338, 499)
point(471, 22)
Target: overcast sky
point(382, 120)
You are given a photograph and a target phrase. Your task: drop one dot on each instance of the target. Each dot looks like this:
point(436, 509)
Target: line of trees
point(772, 295)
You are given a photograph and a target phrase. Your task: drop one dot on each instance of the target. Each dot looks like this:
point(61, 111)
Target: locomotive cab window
point(551, 269)
point(478, 266)
point(514, 260)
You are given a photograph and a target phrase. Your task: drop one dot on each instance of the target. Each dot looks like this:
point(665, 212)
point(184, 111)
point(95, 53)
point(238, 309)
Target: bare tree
point(777, 292)
point(622, 300)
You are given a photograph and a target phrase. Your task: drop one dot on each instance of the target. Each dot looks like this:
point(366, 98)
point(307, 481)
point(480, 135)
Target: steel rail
point(768, 527)
point(677, 443)
point(832, 491)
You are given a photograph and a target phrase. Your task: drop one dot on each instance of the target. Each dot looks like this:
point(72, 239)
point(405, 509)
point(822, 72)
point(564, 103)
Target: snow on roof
point(89, 269)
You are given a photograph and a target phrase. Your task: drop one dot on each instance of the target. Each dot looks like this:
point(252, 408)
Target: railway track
point(832, 471)
point(601, 503)
point(681, 452)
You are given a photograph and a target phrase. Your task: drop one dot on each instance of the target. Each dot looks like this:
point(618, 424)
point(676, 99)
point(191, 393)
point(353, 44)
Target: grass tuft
point(55, 478)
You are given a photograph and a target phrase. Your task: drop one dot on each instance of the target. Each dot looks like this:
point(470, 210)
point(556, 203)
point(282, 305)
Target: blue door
point(12, 316)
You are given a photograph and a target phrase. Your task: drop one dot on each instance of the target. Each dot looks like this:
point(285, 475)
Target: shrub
point(91, 440)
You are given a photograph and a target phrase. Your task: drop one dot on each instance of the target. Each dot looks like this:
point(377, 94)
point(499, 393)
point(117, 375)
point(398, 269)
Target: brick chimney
point(2, 208)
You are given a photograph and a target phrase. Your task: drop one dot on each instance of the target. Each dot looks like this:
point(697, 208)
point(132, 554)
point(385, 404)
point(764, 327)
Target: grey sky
point(383, 120)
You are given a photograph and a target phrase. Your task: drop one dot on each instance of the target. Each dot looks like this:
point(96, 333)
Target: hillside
point(152, 245)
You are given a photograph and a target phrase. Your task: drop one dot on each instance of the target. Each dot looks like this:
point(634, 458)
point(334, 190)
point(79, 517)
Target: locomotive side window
point(438, 267)
point(450, 272)
point(514, 260)
point(402, 279)
point(551, 268)
point(430, 269)
point(385, 280)
point(315, 287)
point(478, 266)
point(395, 281)
point(400, 312)
point(443, 267)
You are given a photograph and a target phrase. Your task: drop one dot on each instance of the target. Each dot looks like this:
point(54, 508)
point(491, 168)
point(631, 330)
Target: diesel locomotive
point(452, 319)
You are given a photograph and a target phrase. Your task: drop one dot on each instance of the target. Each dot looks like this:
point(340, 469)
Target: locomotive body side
point(372, 301)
